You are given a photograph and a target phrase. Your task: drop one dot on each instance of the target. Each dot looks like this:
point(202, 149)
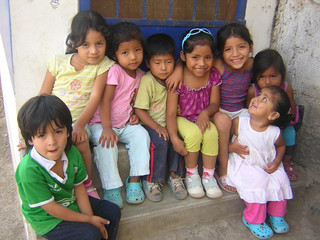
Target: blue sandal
point(134, 192)
point(278, 224)
point(261, 231)
point(113, 195)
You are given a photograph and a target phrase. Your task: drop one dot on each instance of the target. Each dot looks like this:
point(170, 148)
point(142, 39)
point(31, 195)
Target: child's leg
point(276, 211)
point(107, 210)
point(192, 138)
point(209, 151)
point(84, 149)
point(73, 231)
point(289, 136)
point(137, 140)
point(255, 213)
point(158, 166)
point(223, 124)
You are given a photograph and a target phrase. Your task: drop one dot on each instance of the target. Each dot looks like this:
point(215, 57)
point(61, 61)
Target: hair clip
point(195, 31)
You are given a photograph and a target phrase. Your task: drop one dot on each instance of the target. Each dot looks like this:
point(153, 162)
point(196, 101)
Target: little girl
point(269, 69)
point(116, 121)
point(234, 47)
point(198, 99)
point(78, 78)
point(259, 177)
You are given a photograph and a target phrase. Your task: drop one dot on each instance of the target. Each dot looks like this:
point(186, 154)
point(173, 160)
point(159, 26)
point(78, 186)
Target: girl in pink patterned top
point(198, 99)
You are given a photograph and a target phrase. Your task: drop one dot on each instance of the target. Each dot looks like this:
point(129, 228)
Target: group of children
point(112, 100)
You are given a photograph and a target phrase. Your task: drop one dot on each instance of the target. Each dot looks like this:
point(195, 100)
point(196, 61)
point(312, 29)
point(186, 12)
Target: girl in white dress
point(257, 171)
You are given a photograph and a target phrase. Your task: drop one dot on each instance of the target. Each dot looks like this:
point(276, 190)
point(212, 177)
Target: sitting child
point(150, 107)
point(51, 177)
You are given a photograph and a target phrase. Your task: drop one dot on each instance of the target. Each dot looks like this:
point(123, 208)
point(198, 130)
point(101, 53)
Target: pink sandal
point(223, 184)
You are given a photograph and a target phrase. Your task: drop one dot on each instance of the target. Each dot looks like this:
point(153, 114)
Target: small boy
point(150, 107)
point(50, 177)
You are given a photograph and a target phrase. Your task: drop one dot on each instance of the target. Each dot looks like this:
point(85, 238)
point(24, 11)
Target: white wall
point(259, 20)
point(39, 30)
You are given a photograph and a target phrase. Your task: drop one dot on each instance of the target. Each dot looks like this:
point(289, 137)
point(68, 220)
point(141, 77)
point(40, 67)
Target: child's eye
point(264, 99)
point(168, 62)
point(227, 49)
point(100, 43)
point(85, 45)
point(208, 57)
point(124, 53)
point(58, 132)
point(40, 135)
point(138, 50)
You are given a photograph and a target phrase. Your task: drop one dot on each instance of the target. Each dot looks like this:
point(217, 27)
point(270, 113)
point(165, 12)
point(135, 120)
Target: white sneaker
point(194, 187)
point(211, 187)
point(177, 187)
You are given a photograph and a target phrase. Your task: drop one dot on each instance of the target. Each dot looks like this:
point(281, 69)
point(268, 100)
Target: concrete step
point(150, 220)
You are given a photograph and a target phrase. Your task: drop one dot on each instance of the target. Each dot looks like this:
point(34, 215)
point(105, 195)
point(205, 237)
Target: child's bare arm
point(251, 94)
point(235, 146)
point(79, 134)
point(47, 84)
point(148, 121)
point(171, 119)
point(280, 150)
point(175, 79)
point(108, 136)
point(66, 214)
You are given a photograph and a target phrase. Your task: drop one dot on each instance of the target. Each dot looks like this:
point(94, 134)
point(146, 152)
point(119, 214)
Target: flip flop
point(223, 184)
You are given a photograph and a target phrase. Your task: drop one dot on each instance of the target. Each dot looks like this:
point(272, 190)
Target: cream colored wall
point(259, 20)
point(39, 29)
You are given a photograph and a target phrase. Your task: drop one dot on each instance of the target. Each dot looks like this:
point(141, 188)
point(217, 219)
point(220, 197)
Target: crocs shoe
point(211, 187)
point(261, 231)
point(113, 195)
point(278, 224)
point(92, 191)
point(152, 191)
point(134, 192)
point(194, 187)
point(177, 187)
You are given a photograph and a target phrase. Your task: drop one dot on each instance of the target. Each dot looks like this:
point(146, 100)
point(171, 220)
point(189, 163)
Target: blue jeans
point(66, 230)
point(136, 139)
point(161, 156)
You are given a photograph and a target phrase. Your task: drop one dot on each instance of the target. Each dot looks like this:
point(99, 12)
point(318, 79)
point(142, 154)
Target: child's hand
point(271, 167)
point(203, 121)
point(236, 147)
point(108, 137)
point(178, 110)
point(134, 120)
point(22, 145)
point(79, 134)
point(162, 131)
point(178, 146)
point(175, 79)
point(99, 223)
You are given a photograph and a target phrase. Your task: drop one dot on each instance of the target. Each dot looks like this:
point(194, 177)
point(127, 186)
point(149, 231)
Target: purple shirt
point(193, 101)
point(234, 89)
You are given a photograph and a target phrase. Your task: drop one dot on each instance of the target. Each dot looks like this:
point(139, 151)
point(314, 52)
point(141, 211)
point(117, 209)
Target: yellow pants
point(195, 140)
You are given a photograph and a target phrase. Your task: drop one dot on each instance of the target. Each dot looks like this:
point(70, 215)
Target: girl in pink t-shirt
point(198, 99)
point(116, 121)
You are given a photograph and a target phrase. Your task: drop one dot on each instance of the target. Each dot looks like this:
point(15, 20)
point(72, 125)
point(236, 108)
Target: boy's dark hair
point(235, 29)
point(160, 44)
point(38, 112)
point(81, 23)
point(281, 105)
point(266, 59)
point(200, 38)
point(122, 32)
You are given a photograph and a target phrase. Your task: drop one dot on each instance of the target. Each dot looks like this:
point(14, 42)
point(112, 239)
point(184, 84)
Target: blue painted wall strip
point(216, 10)
point(170, 9)
point(144, 11)
point(194, 10)
point(241, 9)
point(84, 5)
point(117, 8)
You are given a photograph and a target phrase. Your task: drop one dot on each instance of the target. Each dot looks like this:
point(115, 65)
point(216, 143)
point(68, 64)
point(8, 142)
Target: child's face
point(92, 51)
point(161, 66)
point(236, 52)
point(52, 142)
point(199, 61)
point(130, 55)
point(270, 77)
point(262, 105)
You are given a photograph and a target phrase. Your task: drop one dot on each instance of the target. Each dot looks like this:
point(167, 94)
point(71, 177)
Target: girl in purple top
point(235, 67)
point(198, 99)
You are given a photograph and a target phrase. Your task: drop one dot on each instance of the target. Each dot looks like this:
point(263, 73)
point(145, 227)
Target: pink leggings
point(256, 213)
